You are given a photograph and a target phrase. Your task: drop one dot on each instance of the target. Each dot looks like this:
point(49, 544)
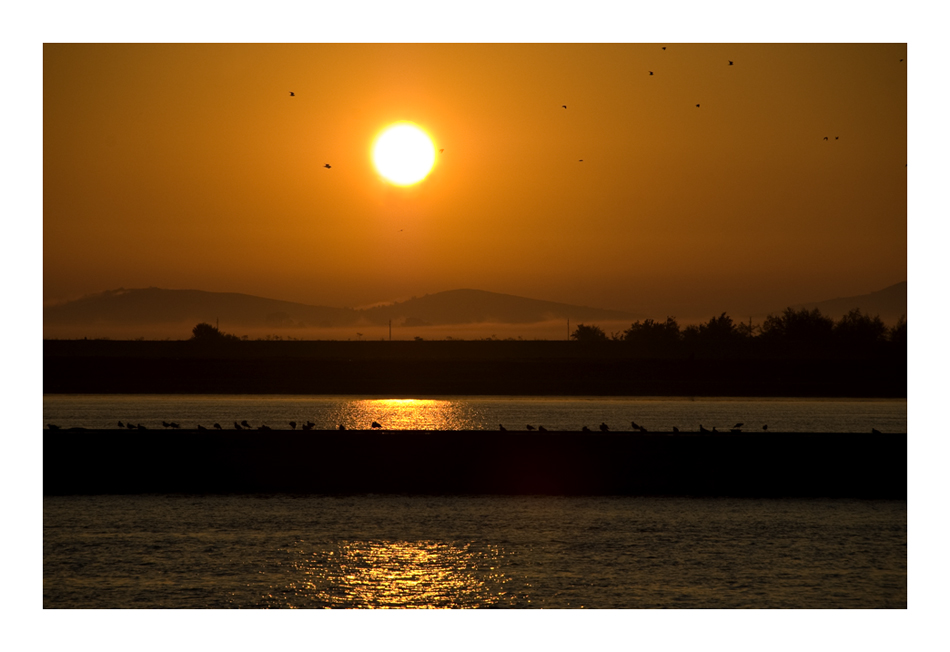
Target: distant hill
point(479, 306)
point(158, 306)
point(890, 304)
point(122, 311)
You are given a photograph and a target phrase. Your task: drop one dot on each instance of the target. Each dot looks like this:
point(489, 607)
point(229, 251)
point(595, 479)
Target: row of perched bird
point(244, 425)
point(605, 428)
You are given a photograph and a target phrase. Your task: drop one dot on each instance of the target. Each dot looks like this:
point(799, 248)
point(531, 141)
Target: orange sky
point(190, 166)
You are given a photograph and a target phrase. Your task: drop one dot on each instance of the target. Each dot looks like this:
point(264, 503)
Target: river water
point(267, 551)
point(478, 413)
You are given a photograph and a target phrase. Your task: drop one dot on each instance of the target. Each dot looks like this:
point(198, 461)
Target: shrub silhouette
point(589, 334)
point(207, 333)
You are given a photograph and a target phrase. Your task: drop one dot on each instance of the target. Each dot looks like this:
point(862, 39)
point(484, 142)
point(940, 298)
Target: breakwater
point(475, 462)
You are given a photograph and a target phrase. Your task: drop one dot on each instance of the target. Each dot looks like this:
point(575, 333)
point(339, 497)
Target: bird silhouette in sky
point(902, 61)
point(651, 73)
point(580, 160)
point(326, 165)
point(697, 106)
point(826, 138)
point(291, 93)
point(664, 47)
point(836, 138)
point(564, 106)
point(730, 63)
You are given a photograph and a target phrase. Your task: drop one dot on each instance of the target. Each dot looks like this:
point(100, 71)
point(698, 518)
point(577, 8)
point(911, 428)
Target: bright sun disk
point(404, 154)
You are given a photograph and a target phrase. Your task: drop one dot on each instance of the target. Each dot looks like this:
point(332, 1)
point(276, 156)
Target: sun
point(403, 154)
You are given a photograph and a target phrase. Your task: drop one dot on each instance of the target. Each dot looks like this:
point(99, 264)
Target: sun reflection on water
point(397, 574)
point(408, 414)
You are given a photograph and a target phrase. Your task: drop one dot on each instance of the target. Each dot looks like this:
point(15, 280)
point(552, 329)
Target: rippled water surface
point(160, 551)
point(478, 413)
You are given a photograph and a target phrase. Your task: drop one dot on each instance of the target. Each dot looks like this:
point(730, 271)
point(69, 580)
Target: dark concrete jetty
point(84, 461)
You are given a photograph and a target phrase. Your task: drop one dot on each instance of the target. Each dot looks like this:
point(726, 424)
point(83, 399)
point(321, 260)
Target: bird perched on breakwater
point(542, 429)
point(765, 427)
point(634, 424)
point(130, 426)
point(293, 425)
point(174, 425)
point(246, 425)
point(341, 427)
point(121, 425)
point(165, 424)
point(530, 427)
point(52, 427)
point(237, 426)
point(738, 425)
point(263, 426)
point(701, 429)
point(201, 427)
point(675, 429)
point(502, 428)
point(139, 426)
point(375, 426)
point(217, 426)
point(585, 429)
point(604, 427)
point(875, 431)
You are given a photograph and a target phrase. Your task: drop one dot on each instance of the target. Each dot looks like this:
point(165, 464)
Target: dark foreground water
point(253, 551)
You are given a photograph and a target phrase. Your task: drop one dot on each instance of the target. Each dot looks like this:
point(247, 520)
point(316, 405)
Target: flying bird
point(902, 60)
point(651, 73)
point(836, 138)
point(825, 138)
point(730, 63)
point(580, 160)
point(664, 47)
point(291, 93)
point(697, 106)
point(564, 106)
point(326, 165)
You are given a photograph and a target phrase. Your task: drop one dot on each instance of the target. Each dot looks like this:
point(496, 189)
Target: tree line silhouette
point(793, 333)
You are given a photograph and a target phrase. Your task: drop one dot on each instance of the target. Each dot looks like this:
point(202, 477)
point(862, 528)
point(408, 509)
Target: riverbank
point(475, 462)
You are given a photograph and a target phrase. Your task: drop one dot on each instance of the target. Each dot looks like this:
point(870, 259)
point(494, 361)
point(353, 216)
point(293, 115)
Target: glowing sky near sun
point(192, 166)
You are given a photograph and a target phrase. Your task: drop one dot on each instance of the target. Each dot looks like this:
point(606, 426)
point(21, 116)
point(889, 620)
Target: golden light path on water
point(397, 574)
point(408, 414)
